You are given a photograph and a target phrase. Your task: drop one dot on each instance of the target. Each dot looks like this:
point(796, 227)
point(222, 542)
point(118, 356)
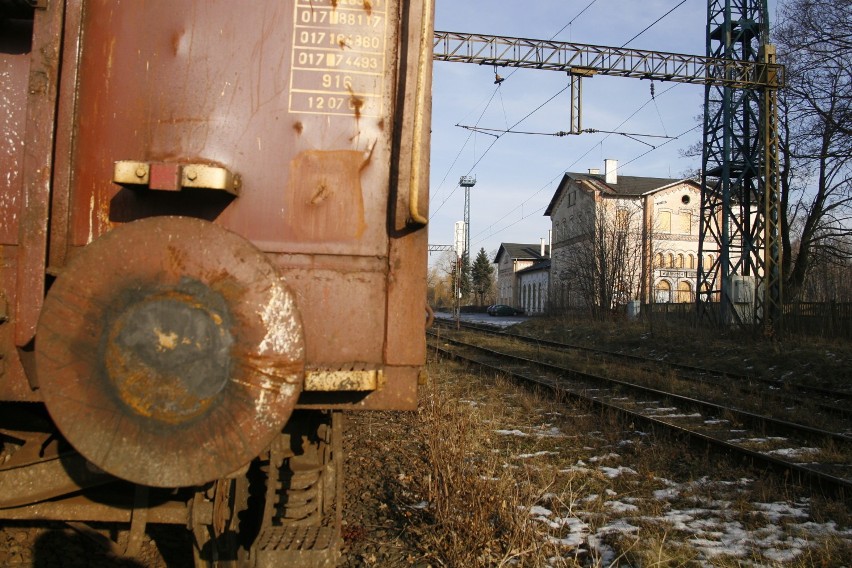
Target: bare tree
point(815, 44)
point(439, 287)
point(603, 267)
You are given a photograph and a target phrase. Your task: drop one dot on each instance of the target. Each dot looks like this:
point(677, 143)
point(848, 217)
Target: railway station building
point(523, 276)
point(645, 229)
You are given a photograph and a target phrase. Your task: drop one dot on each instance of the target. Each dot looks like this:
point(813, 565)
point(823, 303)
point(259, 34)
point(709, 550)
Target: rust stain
point(298, 127)
point(356, 102)
point(368, 7)
point(149, 394)
point(321, 194)
point(176, 258)
point(324, 198)
point(176, 39)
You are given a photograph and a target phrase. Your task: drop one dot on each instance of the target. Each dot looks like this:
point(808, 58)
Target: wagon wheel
point(237, 515)
point(286, 508)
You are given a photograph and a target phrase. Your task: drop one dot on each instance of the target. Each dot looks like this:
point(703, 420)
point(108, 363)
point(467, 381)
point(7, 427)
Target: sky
point(517, 174)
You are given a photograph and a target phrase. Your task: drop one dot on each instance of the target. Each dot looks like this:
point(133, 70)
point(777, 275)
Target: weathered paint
point(188, 358)
point(328, 184)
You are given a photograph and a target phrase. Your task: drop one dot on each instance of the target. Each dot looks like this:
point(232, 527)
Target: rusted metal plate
point(14, 75)
point(170, 352)
point(36, 169)
point(309, 102)
point(297, 97)
point(342, 302)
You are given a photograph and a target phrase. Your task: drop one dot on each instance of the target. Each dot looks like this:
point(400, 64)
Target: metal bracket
point(175, 177)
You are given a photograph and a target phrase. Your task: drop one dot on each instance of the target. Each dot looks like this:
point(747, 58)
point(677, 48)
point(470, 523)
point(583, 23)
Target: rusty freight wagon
point(212, 242)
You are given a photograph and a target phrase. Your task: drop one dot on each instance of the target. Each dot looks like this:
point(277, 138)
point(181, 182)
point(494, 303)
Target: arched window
point(663, 293)
point(684, 292)
point(670, 260)
point(658, 260)
point(540, 298)
point(691, 259)
point(680, 261)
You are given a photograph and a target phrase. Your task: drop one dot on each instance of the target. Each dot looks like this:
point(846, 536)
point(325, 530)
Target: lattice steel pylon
point(739, 264)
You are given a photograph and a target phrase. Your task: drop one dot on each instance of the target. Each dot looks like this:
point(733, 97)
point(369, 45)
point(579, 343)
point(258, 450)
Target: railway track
point(801, 453)
point(827, 408)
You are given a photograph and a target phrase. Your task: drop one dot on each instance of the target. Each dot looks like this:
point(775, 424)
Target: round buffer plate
point(169, 352)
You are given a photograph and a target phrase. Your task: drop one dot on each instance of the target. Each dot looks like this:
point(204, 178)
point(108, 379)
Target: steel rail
point(813, 477)
point(800, 388)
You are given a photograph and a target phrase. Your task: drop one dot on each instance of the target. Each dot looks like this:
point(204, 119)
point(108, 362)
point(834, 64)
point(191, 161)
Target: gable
point(518, 251)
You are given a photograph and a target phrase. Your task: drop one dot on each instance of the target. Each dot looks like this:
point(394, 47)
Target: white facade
point(663, 216)
point(533, 286)
point(673, 216)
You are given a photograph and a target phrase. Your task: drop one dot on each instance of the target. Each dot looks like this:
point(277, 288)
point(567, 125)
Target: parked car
point(504, 310)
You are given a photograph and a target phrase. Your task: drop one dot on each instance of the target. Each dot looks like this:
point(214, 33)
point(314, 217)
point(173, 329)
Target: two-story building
point(656, 220)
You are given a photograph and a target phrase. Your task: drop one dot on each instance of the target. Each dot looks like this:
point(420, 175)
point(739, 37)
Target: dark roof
point(519, 251)
point(629, 186)
point(537, 265)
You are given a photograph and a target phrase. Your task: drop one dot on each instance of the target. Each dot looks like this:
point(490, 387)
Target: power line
point(500, 133)
point(580, 13)
point(559, 176)
point(560, 133)
point(456, 159)
point(496, 90)
point(657, 21)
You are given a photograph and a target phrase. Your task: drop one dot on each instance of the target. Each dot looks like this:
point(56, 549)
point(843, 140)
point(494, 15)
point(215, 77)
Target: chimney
point(542, 247)
point(594, 171)
point(611, 171)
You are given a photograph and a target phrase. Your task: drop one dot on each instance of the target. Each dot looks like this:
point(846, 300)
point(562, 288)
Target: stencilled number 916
point(340, 82)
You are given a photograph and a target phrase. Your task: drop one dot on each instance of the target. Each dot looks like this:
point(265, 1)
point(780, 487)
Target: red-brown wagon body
point(255, 173)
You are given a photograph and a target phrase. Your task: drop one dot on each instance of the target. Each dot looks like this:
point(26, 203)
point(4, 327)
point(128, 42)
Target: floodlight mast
point(467, 182)
point(463, 235)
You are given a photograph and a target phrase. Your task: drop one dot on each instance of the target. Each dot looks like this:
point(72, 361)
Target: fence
point(825, 319)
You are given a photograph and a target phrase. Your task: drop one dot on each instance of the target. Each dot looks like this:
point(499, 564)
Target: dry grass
point(514, 479)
